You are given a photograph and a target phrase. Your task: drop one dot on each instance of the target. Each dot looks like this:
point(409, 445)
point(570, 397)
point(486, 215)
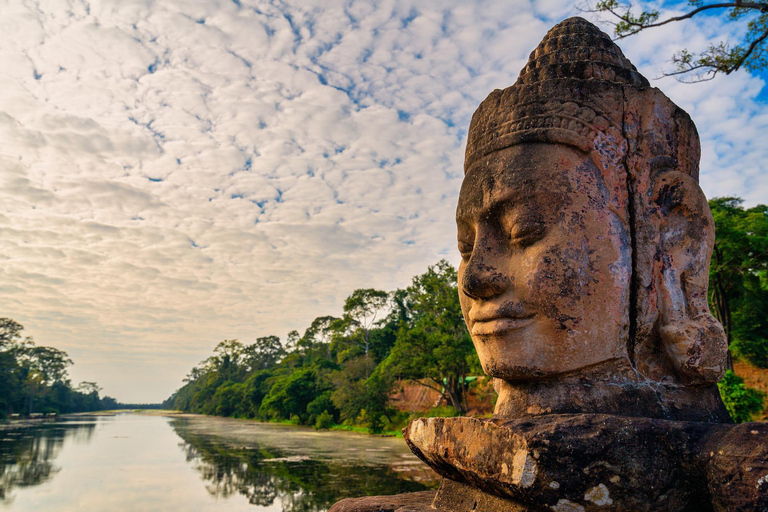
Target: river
point(144, 462)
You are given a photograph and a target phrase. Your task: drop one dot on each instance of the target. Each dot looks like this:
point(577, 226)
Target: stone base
point(451, 497)
point(409, 502)
point(596, 463)
point(458, 497)
point(584, 463)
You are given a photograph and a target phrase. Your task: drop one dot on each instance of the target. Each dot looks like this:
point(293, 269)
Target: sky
point(176, 173)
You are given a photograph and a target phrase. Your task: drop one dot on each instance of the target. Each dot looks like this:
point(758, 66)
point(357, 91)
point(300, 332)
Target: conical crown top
point(569, 92)
point(577, 49)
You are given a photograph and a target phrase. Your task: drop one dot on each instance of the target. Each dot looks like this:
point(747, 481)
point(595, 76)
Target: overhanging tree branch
point(720, 58)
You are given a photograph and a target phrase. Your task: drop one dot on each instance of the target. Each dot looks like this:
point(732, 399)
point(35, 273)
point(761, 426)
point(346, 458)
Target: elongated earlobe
point(693, 341)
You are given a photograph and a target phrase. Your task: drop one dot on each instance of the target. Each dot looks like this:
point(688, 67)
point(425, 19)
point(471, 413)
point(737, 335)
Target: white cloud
point(176, 173)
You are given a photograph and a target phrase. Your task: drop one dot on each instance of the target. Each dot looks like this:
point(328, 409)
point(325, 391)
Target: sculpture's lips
point(486, 326)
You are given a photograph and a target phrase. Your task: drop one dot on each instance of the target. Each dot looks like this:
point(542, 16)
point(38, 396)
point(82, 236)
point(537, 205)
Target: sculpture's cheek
point(558, 281)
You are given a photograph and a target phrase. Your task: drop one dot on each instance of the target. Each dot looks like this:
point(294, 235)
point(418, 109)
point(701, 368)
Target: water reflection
point(27, 453)
point(146, 462)
point(296, 480)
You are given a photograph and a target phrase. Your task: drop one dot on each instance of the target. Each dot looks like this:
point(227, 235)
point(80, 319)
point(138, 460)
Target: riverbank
point(398, 423)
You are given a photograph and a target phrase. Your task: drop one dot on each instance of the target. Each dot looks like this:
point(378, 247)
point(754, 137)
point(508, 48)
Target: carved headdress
point(578, 89)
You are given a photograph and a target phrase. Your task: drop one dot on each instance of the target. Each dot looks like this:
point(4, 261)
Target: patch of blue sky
point(412, 15)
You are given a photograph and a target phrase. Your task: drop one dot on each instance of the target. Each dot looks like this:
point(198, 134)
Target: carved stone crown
point(552, 100)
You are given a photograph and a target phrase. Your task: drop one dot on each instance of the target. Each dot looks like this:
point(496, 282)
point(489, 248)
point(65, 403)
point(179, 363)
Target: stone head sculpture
point(585, 241)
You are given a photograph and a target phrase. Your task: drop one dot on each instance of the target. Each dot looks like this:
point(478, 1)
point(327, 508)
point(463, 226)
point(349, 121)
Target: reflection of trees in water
point(27, 455)
point(266, 476)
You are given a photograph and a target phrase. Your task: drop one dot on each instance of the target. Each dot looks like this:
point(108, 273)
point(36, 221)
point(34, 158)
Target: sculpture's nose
point(482, 278)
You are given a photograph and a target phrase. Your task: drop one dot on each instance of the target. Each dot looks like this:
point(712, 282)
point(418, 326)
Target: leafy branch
point(717, 58)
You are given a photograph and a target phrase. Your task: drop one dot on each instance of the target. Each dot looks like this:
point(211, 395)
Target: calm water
point(137, 462)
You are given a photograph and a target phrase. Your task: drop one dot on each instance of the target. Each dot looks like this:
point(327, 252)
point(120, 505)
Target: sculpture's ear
point(691, 338)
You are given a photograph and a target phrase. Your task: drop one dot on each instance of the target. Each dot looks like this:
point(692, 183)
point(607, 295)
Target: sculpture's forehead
point(539, 176)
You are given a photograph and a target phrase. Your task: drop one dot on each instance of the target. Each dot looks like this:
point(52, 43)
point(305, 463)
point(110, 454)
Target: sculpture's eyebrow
point(468, 209)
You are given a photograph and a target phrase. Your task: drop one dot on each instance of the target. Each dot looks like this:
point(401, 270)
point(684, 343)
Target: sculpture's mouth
point(497, 325)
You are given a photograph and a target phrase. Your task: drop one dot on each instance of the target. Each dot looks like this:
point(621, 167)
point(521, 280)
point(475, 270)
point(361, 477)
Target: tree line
point(342, 369)
point(34, 379)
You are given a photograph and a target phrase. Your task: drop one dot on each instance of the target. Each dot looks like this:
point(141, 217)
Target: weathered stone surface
point(460, 497)
point(737, 467)
point(596, 462)
point(409, 502)
point(585, 243)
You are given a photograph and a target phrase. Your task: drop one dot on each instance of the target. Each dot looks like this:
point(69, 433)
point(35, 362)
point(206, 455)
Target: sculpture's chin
point(508, 370)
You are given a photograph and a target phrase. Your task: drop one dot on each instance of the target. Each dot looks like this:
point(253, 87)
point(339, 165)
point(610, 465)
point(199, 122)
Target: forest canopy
point(34, 378)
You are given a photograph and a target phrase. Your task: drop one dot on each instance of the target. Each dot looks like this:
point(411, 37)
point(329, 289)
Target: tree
point(362, 308)
point(319, 335)
point(50, 363)
point(433, 346)
point(9, 331)
point(739, 277)
point(722, 57)
point(291, 394)
point(360, 396)
point(88, 388)
point(265, 353)
point(34, 378)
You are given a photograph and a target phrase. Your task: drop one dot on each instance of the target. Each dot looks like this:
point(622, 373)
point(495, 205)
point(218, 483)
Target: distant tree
point(291, 394)
point(360, 396)
point(9, 331)
point(750, 52)
point(362, 308)
point(50, 363)
point(319, 335)
point(433, 346)
point(264, 353)
point(88, 388)
point(739, 277)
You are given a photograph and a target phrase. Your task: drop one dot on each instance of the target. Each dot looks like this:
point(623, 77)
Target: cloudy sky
point(177, 172)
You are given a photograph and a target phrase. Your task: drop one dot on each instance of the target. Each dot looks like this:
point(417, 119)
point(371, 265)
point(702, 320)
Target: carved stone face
point(545, 274)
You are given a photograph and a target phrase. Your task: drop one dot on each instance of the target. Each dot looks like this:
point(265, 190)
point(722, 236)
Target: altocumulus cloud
point(176, 173)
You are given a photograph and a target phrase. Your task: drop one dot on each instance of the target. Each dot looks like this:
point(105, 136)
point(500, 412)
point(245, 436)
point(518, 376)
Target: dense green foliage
point(341, 370)
point(33, 379)
point(433, 342)
point(739, 277)
point(742, 402)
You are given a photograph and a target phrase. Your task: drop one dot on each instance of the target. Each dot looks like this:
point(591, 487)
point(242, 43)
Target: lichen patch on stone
point(523, 469)
point(599, 495)
point(567, 506)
